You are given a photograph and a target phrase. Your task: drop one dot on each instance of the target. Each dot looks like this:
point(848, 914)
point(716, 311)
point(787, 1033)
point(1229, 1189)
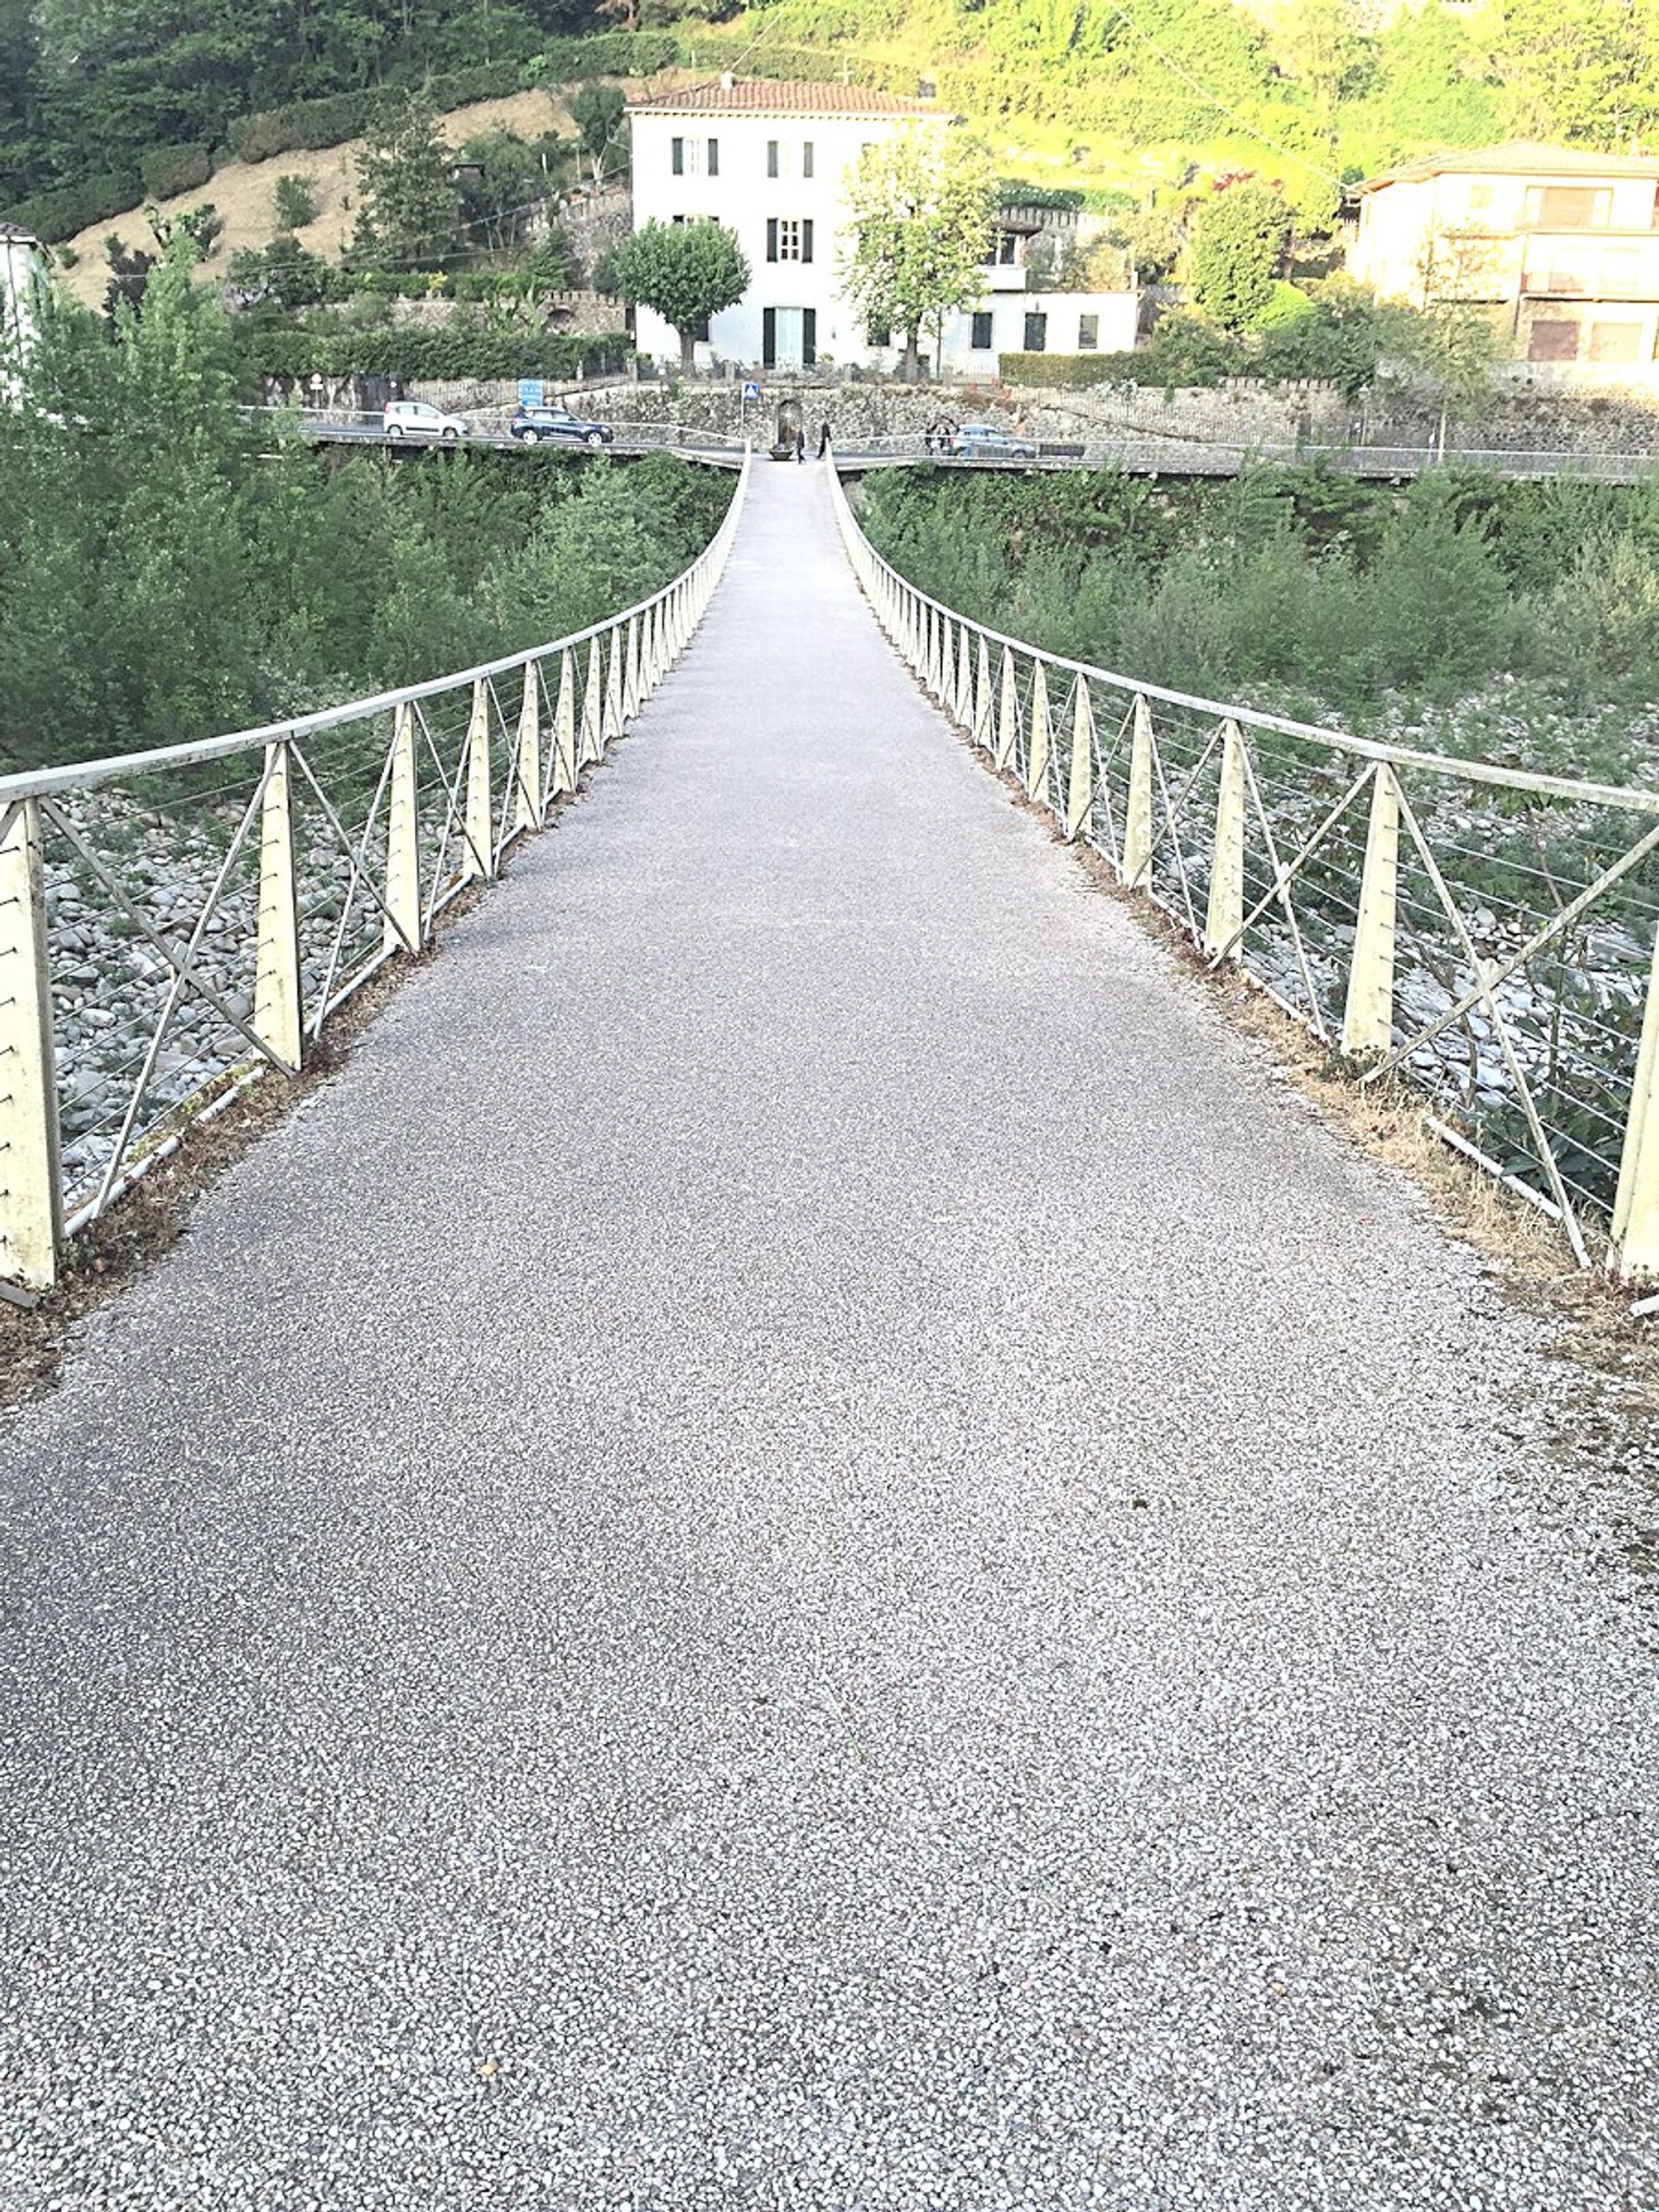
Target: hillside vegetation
point(106, 102)
point(1516, 621)
point(164, 573)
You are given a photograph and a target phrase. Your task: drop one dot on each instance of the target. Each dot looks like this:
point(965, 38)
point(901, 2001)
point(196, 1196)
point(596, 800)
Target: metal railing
point(1487, 932)
point(488, 427)
point(174, 922)
point(1145, 454)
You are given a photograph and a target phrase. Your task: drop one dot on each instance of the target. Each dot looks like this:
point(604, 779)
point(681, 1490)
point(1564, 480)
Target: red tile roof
point(1518, 157)
point(759, 96)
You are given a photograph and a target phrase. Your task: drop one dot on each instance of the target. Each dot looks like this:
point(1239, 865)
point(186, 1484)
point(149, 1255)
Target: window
point(980, 336)
point(1554, 339)
point(788, 240)
point(1615, 341)
point(806, 157)
point(700, 331)
point(1008, 249)
point(685, 156)
point(879, 333)
point(1568, 207)
point(772, 157)
point(1088, 333)
point(1036, 334)
point(677, 157)
point(714, 157)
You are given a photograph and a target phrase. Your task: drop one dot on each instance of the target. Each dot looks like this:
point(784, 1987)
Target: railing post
point(964, 692)
point(1007, 720)
point(1037, 750)
point(278, 1012)
point(564, 729)
point(527, 810)
point(984, 700)
point(611, 728)
point(631, 692)
point(946, 671)
point(1224, 917)
point(478, 854)
point(593, 709)
point(1368, 1015)
point(403, 929)
point(1636, 1207)
point(1080, 779)
point(31, 1208)
point(1137, 823)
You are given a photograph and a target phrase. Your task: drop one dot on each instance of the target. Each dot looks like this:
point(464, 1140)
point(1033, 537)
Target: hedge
point(433, 356)
point(167, 170)
point(1060, 371)
point(58, 214)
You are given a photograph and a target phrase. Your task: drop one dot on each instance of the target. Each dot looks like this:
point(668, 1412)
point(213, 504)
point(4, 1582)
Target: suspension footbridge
point(803, 1546)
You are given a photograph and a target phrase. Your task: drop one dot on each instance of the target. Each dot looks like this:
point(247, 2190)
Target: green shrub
point(1058, 370)
point(457, 352)
point(58, 214)
point(294, 203)
point(167, 170)
point(308, 124)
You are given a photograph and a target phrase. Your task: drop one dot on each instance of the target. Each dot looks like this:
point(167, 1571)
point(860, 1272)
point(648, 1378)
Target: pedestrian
point(823, 439)
point(800, 445)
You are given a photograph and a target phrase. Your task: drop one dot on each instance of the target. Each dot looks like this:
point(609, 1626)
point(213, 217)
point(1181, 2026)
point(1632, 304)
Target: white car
point(418, 418)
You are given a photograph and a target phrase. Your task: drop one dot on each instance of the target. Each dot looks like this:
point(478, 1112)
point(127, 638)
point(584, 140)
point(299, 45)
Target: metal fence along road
point(175, 922)
point(1487, 932)
point(1134, 456)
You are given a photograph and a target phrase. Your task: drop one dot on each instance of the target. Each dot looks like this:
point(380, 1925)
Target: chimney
point(727, 80)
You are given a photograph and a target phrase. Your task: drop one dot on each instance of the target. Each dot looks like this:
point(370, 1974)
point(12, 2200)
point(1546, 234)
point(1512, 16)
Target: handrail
point(1363, 748)
point(1505, 961)
point(163, 941)
point(39, 783)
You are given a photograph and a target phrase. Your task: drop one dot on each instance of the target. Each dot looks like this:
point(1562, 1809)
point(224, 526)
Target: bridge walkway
point(806, 1547)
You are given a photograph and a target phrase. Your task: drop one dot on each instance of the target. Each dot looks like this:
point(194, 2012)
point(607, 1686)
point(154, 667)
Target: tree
point(294, 203)
point(1454, 350)
point(597, 112)
point(410, 216)
point(1236, 250)
point(920, 207)
point(284, 275)
point(684, 272)
point(129, 269)
point(504, 180)
point(1152, 241)
point(1577, 69)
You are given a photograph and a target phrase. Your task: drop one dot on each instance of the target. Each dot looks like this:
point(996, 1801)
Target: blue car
point(531, 425)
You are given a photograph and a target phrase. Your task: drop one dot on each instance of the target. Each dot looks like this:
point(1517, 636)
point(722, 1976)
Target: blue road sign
point(751, 391)
point(531, 391)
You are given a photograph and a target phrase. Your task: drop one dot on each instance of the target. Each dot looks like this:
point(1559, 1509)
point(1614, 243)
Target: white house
point(771, 161)
point(23, 277)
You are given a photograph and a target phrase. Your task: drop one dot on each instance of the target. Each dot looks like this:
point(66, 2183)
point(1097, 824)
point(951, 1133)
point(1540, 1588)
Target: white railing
point(1487, 932)
point(174, 922)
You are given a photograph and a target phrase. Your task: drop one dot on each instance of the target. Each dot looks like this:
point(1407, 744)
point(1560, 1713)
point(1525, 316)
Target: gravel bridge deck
point(806, 1547)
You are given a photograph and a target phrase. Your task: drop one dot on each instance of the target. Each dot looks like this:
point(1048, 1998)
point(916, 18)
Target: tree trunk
point(688, 352)
point(913, 357)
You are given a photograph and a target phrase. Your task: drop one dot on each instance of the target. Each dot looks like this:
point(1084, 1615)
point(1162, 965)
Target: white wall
point(1115, 315)
point(746, 198)
point(22, 273)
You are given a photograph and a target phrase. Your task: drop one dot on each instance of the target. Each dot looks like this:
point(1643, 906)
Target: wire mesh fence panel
point(178, 920)
point(151, 897)
point(1488, 932)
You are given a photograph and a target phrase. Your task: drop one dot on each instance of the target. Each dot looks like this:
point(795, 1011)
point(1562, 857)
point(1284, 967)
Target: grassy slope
point(242, 191)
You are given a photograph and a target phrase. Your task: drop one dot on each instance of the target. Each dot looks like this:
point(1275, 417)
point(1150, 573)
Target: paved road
point(806, 1548)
